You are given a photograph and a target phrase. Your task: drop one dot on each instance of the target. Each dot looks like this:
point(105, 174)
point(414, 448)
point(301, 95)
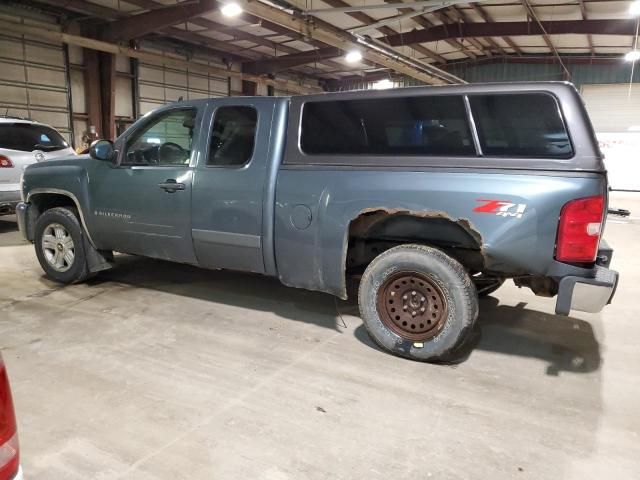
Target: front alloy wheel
point(58, 247)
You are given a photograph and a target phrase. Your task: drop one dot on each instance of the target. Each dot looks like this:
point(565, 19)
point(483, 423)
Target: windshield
point(28, 137)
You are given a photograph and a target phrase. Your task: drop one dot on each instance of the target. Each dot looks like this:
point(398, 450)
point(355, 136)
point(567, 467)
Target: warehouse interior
point(157, 370)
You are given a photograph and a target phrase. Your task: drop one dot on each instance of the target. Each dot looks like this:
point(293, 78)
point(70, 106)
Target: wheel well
point(45, 201)
point(42, 202)
point(374, 232)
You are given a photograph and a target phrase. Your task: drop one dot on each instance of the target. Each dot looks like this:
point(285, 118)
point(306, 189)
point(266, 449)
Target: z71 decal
point(502, 208)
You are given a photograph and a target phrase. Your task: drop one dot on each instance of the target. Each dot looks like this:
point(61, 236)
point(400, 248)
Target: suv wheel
point(418, 303)
point(59, 246)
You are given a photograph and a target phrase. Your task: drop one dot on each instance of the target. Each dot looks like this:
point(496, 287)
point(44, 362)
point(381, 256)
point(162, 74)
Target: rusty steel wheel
point(417, 302)
point(412, 305)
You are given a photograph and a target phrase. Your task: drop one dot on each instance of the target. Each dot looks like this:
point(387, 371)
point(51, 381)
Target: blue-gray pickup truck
point(430, 196)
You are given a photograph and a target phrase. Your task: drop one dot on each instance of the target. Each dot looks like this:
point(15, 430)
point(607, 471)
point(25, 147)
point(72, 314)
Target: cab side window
point(166, 140)
point(233, 136)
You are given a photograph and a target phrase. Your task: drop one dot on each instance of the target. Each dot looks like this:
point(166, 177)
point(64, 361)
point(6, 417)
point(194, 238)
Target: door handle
point(170, 185)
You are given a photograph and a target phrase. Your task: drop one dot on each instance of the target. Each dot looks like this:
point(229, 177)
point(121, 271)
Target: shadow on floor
point(226, 287)
point(9, 234)
point(8, 224)
point(565, 343)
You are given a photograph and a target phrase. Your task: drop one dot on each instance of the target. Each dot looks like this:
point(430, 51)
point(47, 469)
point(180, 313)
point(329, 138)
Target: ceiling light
point(632, 56)
point(634, 9)
point(231, 9)
point(383, 84)
point(353, 56)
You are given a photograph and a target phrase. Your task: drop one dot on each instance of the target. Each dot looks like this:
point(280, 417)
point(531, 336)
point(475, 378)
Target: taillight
point(579, 230)
point(5, 162)
point(9, 451)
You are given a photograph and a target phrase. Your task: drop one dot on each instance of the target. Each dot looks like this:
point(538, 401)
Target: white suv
point(23, 142)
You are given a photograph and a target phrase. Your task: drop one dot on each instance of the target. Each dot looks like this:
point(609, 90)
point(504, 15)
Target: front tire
point(59, 246)
point(417, 302)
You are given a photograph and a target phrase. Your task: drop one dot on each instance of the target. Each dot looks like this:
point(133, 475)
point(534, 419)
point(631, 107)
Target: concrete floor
point(160, 371)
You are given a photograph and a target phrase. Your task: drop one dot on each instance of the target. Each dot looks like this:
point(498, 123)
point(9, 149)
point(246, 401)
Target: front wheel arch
point(41, 200)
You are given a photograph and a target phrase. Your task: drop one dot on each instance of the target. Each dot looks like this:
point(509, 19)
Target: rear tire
point(417, 302)
point(59, 246)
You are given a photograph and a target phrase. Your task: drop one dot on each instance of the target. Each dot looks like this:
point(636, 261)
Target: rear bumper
point(587, 294)
point(8, 201)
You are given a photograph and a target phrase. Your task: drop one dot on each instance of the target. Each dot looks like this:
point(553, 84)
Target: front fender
point(55, 178)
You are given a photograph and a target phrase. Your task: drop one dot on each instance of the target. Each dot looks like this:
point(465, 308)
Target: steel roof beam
point(44, 32)
point(501, 29)
point(136, 26)
point(583, 12)
point(487, 18)
point(273, 65)
point(366, 19)
point(329, 34)
point(426, 23)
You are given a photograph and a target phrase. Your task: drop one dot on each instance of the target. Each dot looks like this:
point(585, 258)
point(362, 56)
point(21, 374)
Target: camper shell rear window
point(510, 125)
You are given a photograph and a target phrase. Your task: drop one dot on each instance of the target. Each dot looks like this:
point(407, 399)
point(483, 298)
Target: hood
point(71, 160)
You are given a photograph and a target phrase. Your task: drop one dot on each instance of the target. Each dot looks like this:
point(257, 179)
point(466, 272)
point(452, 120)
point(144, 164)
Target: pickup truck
point(430, 196)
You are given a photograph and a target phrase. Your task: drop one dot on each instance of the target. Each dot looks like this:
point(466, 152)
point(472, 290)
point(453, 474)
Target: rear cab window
point(27, 137)
point(233, 136)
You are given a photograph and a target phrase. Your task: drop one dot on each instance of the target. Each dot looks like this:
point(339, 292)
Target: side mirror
point(102, 150)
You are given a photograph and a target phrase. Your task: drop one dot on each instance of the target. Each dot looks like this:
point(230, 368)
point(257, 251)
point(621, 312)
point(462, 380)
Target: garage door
point(159, 85)
point(33, 81)
point(615, 113)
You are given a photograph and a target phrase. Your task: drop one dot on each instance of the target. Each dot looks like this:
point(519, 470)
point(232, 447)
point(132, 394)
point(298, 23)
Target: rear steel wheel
point(412, 305)
point(418, 303)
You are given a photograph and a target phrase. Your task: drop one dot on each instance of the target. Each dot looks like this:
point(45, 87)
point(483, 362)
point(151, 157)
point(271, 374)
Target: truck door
point(229, 185)
point(143, 206)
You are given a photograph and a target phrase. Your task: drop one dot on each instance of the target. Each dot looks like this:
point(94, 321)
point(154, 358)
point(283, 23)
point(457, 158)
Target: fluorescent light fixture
point(383, 84)
point(231, 9)
point(155, 141)
point(634, 9)
point(353, 56)
point(632, 56)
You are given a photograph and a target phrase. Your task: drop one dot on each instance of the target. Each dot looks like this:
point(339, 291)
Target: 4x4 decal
point(503, 208)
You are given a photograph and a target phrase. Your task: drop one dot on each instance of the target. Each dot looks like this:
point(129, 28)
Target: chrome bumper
point(587, 294)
